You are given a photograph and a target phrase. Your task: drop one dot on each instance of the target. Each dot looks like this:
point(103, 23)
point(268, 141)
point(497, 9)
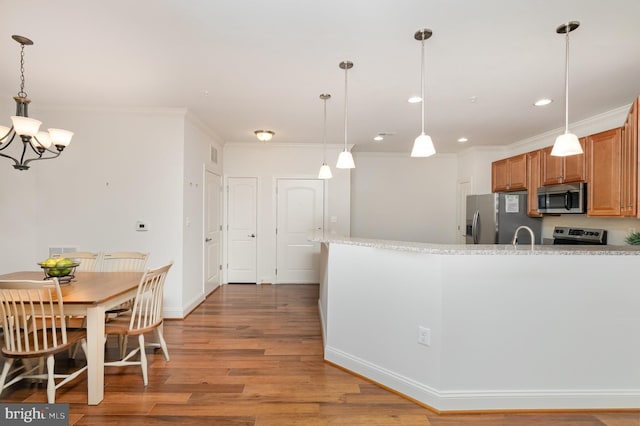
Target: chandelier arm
point(6, 144)
point(17, 163)
point(42, 158)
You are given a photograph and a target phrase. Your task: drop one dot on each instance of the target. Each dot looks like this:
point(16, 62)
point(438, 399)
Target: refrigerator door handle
point(474, 226)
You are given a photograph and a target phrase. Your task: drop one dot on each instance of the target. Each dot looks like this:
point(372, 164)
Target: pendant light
point(325, 170)
point(567, 143)
point(423, 145)
point(345, 159)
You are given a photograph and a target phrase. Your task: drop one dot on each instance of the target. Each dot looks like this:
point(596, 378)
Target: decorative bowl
point(64, 274)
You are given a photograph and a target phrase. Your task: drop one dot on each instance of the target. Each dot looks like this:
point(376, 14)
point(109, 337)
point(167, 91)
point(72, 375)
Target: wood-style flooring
point(252, 355)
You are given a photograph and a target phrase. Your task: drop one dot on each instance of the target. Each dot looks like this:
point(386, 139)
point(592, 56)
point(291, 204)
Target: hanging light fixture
point(345, 159)
point(567, 143)
point(423, 145)
point(34, 142)
point(325, 170)
point(264, 135)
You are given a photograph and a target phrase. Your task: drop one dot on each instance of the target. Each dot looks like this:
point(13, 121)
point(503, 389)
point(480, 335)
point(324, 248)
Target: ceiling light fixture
point(325, 170)
point(423, 145)
point(414, 99)
point(542, 102)
point(28, 128)
point(567, 143)
point(264, 135)
point(378, 138)
point(345, 159)
point(463, 140)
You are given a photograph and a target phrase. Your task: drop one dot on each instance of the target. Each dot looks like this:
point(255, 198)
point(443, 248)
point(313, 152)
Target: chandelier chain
point(22, 93)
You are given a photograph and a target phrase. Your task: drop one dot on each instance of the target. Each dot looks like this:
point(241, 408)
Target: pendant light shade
point(345, 159)
point(325, 170)
point(567, 143)
point(423, 145)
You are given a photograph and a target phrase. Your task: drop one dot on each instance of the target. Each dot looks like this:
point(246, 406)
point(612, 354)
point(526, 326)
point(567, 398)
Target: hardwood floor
point(252, 355)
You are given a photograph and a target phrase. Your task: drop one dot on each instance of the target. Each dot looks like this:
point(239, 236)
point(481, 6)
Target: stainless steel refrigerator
point(493, 219)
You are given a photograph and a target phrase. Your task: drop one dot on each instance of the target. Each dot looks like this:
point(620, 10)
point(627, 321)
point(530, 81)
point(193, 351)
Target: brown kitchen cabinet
point(629, 164)
point(604, 173)
point(509, 174)
point(534, 166)
point(556, 170)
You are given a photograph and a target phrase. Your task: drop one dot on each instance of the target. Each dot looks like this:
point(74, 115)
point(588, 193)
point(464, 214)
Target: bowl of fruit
point(61, 268)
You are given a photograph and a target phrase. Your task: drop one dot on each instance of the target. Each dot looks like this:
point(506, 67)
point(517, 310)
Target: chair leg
point(143, 359)
point(51, 383)
point(5, 371)
point(163, 343)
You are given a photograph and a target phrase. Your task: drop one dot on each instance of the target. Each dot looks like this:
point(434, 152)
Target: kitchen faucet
point(515, 235)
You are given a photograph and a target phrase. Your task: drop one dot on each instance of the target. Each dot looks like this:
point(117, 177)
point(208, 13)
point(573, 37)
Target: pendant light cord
point(324, 134)
point(346, 68)
point(422, 82)
point(566, 82)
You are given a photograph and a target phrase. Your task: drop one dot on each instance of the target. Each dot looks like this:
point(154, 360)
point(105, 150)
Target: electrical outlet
point(424, 335)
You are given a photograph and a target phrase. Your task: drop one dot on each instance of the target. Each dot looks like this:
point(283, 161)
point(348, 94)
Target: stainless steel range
point(579, 236)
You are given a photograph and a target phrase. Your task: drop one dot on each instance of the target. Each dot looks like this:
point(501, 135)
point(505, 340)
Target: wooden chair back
point(88, 261)
point(32, 317)
point(147, 306)
point(124, 261)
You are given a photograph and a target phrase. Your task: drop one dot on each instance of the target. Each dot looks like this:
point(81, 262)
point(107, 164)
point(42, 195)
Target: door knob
point(206, 240)
point(252, 235)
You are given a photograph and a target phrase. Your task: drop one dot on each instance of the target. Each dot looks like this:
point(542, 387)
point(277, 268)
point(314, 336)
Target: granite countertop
point(483, 249)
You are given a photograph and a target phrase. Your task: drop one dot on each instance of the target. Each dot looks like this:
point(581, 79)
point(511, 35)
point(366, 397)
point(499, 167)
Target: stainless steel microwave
point(565, 198)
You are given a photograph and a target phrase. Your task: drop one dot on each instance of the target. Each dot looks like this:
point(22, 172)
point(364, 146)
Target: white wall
point(396, 197)
point(122, 166)
point(198, 141)
point(269, 161)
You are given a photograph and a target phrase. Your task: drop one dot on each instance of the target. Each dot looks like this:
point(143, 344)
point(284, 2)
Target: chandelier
point(35, 144)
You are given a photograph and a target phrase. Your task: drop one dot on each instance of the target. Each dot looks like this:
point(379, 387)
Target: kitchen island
point(486, 327)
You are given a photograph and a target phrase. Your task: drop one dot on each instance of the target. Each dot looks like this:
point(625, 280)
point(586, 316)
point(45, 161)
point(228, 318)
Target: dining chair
point(144, 317)
point(124, 261)
point(88, 261)
point(34, 328)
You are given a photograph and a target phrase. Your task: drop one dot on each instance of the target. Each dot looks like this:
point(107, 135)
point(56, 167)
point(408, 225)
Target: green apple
point(49, 263)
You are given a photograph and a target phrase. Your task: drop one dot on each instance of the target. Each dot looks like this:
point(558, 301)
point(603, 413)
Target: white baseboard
point(461, 400)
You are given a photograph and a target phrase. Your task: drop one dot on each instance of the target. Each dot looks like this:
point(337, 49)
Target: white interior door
point(213, 228)
point(242, 230)
point(464, 189)
point(300, 213)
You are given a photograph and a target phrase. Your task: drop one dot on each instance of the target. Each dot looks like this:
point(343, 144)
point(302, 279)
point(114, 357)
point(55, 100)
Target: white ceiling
point(241, 65)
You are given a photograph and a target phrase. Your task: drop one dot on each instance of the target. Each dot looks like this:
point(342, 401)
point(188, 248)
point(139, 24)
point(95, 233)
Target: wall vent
point(61, 250)
point(213, 154)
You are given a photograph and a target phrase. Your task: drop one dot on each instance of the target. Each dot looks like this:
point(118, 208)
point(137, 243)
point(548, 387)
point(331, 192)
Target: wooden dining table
point(90, 294)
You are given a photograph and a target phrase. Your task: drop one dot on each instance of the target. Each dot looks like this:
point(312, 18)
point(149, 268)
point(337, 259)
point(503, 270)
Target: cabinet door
point(629, 165)
point(575, 166)
point(517, 172)
point(499, 176)
point(604, 173)
point(552, 167)
point(534, 181)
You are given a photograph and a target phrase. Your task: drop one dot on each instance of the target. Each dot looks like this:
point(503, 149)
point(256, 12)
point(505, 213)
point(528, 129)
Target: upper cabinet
point(509, 174)
point(604, 175)
point(557, 170)
point(534, 181)
point(629, 165)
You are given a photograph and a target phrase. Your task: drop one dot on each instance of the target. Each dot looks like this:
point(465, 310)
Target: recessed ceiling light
point(463, 140)
point(415, 100)
point(378, 138)
point(542, 102)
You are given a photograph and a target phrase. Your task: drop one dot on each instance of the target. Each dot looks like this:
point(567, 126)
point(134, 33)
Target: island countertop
point(484, 249)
